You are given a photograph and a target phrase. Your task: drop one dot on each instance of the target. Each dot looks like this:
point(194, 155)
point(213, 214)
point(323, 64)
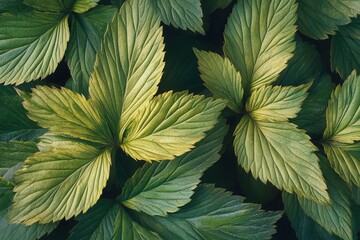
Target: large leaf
point(81, 6)
point(259, 39)
point(275, 103)
point(184, 14)
point(129, 64)
point(221, 78)
point(6, 193)
point(343, 112)
point(14, 152)
point(127, 228)
point(210, 6)
point(304, 226)
point(97, 223)
point(318, 19)
point(170, 125)
point(161, 188)
point(345, 159)
point(78, 6)
point(215, 214)
point(11, 6)
point(335, 217)
point(343, 57)
point(60, 184)
point(65, 112)
point(280, 153)
point(87, 30)
point(28, 55)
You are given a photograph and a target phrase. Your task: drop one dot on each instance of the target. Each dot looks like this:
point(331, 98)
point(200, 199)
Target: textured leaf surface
point(81, 6)
point(127, 228)
point(129, 65)
point(170, 125)
point(87, 30)
point(11, 6)
point(280, 153)
point(50, 5)
point(28, 55)
point(184, 14)
point(97, 223)
point(60, 184)
point(65, 112)
point(345, 159)
point(336, 216)
point(259, 39)
point(318, 19)
point(161, 188)
point(344, 58)
point(343, 112)
point(215, 214)
point(6, 193)
point(221, 78)
point(275, 103)
point(304, 226)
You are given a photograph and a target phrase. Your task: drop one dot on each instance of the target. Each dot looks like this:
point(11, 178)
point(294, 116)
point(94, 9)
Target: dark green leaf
point(6, 194)
point(209, 6)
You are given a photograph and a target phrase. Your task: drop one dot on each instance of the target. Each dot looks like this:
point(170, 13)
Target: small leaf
point(221, 78)
point(275, 103)
point(127, 228)
point(60, 184)
point(343, 112)
point(160, 188)
point(215, 214)
point(65, 112)
point(170, 125)
point(129, 64)
point(259, 39)
point(28, 55)
point(87, 30)
point(343, 58)
point(97, 223)
point(184, 14)
point(318, 19)
point(280, 153)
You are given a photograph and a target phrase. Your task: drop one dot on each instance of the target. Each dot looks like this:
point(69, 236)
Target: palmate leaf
point(78, 6)
point(161, 188)
point(343, 58)
point(221, 78)
point(87, 30)
point(184, 14)
point(318, 19)
point(170, 125)
point(280, 153)
point(343, 112)
point(65, 112)
point(335, 217)
point(28, 55)
point(60, 184)
point(129, 64)
point(97, 223)
point(215, 214)
point(259, 39)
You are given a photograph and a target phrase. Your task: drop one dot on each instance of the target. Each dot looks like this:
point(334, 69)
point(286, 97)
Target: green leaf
point(161, 188)
point(127, 228)
point(14, 152)
point(210, 6)
point(65, 112)
point(97, 223)
point(129, 64)
point(170, 125)
point(304, 226)
point(81, 6)
point(60, 184)
point(11, 6)
point(6, 194)
point(318, 19)
point(259, 39)
point(343, 112)
point(87, 30)
point(355, 192)
point(215, 214)
point(221, 78)
point(78, 6)
point(29, 55)
point(335, 217)
point(275, 103)
point(345, 159)
point(343, 58)
point(183, 14)
point(281, 153)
